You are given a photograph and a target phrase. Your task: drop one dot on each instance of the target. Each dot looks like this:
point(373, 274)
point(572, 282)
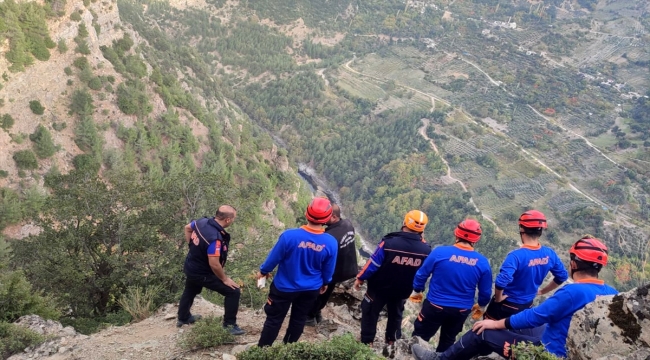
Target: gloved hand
point(416, 297)
point(477, 312)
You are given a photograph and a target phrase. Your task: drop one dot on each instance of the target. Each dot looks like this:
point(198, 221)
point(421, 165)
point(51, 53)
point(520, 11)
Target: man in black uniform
point(346, 261)
point(390, 272)
point(208, 244)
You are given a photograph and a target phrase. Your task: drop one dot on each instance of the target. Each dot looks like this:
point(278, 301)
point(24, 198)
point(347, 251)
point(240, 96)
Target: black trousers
point(433, 317)
point(372, 304)
point(321, 300)
point(498, 341)
point(193, 287)
point(276, 308)
point(498, 311)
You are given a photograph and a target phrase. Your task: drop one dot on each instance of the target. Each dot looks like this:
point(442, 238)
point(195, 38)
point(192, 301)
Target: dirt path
point(423, 132)
point(433, 97)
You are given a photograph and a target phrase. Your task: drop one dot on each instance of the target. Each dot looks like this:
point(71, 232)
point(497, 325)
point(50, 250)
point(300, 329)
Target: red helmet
point(532, 219)
point(468, 230)
point(589, 249)
point(319, 211)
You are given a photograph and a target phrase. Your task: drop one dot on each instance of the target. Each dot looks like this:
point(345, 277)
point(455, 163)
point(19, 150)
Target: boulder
point(616, 326)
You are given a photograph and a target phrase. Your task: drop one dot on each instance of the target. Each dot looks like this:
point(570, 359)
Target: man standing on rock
point(588, 256)
point(346, 261)
point(390, 271)
point(456, 272)
point(524, 270)
point(208, 244)
point(306, 258)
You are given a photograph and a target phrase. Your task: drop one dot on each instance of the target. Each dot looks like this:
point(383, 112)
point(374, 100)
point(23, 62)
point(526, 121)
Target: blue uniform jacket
point(524, 270)
point(558, 310)
point(305, 258)
point(456, 271)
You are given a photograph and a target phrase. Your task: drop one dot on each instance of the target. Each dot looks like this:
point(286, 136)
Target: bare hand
point(231, 283)
point(323, 289)
point(357, 284)
point(483, 325)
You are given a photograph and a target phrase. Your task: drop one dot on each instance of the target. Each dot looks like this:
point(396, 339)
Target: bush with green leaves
point(4, 174)
point(6, 121)
point(25, 26)
point(344, 347)
point(15, 338)
point(528, 351)
point(206, 333)
point(132, 98)
point(82, 103)
point(36, 107)
point(18, 298)
point(140, 302)
point(43, 144)
point(25, 160)
point(62, 46)
point(75, 16)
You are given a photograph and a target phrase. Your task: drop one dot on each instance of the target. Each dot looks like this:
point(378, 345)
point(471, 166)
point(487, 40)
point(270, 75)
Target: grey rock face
point(612, 327)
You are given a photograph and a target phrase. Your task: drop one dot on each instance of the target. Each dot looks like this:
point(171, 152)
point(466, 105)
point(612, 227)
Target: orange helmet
point(468, 230)
point(533, 219)
point(319, 211)
point(416, 220)
point(590, 249)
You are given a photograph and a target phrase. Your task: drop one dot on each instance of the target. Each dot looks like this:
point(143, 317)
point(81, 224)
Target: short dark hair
point(225, 212)
point(532, 232)
point(586, 267)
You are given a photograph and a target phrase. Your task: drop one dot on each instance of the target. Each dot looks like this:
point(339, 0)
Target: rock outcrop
point(612, 327)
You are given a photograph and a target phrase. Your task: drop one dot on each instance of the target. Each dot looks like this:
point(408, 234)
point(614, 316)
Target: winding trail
point(433, 97)
point(423, 132)
point(578, 135)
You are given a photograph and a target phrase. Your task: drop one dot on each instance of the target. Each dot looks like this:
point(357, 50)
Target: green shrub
point(14, 339)
point(86, 163)
point(43, 145)
point(140, 303)
point(82, 48)
point(36, 107)
point(75, 16)
point(132, 98)
point(4, 174)
point(95, 83)
point(67, 70)
point(59, 126)
point(18, 138)
point(528, 351)
point(6, 121)
point(18, 298)
point(206, 333)
point(81, 63)
point(25, 160)
point(82, 103)
point(92, 325)
point(343, 347)
point(62, 47)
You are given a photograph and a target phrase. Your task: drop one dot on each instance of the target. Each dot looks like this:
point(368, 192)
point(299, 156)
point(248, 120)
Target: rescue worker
point(390, 271)
point(524, 270)
point(346, 261)
point(208, 244)
point(588, 257)
point(456, 271)
point(305, 258)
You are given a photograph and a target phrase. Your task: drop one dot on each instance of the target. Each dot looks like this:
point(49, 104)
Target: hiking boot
point(311, 322)
point(421, 353)
point(191, 320)
point(234, 329)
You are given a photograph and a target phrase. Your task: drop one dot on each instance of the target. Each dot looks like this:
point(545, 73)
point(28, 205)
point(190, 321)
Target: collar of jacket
point(215, 224)
point(405, 235)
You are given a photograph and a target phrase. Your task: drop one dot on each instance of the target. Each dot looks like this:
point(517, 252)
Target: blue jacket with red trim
point(456, 271)
point(524, 270)
point(391, 268)
point(558, 310)
point(305, 258)
point(208, 239)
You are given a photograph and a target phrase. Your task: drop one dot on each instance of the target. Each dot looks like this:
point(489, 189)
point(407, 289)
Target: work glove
point(477, 312)
point(416, 297)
